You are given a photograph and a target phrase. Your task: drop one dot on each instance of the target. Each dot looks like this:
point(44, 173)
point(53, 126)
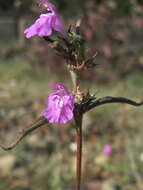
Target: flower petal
point(46, 23)
point(60, 105)
point(58, 26)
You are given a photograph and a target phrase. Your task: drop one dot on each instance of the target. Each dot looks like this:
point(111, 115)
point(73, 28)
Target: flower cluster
point(60, 105)
point(46, 23)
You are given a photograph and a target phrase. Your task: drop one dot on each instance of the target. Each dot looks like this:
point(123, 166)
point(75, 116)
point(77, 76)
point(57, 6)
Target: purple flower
point(46, 23)
point(107, 150)
point(60, 105)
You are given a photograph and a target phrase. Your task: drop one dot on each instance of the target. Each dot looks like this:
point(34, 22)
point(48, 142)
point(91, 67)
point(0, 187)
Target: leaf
point(27, 130)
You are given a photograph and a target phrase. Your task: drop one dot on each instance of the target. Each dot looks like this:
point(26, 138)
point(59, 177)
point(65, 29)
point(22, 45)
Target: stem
point(75, 80)
point(79, 152)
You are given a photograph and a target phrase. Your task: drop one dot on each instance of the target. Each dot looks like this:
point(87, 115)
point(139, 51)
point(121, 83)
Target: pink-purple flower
point(107, 150)
point(60, 105)
point(46, 23)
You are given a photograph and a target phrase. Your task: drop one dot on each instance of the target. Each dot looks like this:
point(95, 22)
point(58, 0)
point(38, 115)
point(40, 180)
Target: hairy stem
point(79, 152)
point(75, 80)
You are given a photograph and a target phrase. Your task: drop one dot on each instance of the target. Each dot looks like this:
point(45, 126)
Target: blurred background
point(45, 160)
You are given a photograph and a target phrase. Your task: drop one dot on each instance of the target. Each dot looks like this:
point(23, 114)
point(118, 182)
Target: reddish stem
point(79, 153)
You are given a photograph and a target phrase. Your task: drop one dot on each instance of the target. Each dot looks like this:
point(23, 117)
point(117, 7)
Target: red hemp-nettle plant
point(62, 105)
